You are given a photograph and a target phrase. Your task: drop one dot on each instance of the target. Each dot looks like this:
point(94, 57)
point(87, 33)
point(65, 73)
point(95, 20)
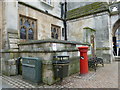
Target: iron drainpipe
point(65, 24)
point(62, 11)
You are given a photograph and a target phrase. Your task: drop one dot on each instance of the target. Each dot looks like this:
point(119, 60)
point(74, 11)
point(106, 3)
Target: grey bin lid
point(31, 58)
point(61, 61)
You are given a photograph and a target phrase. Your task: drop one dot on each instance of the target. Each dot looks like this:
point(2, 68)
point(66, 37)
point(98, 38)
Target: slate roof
point(87, 10)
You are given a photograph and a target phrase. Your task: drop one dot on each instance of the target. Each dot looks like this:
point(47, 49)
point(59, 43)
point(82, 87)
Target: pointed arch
point(116, 26)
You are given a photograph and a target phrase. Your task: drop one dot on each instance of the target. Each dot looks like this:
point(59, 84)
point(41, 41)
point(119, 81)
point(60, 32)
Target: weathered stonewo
point(100, 23)
point(0, 25)
point(47, 58)
point(9, 67)
point(43, 21)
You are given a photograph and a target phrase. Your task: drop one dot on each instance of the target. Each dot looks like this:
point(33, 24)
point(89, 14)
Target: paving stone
point(104, 77)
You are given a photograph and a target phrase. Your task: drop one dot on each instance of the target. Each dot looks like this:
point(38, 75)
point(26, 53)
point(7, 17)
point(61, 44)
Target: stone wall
point(54, 8)
point(11, 25)
point(0, 32)
point(9, 67)
point(0, 25)
point(46, 49)
point(44, 21)
point(101, 23)
point(10, 35)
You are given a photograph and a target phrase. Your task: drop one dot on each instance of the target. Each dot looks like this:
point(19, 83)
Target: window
point(55, 32)
point(27, 28)
point(63, 32)
point(49, 2)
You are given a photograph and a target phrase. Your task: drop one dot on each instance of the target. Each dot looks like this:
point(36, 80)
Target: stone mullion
point(35, 30)
point(59, 33)
point(27, 33)
point(30, 21)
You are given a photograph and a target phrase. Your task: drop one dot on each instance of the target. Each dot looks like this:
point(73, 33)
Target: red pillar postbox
point(83, 59)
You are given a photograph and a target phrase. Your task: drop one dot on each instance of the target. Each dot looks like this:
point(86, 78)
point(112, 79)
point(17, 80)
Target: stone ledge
point(114, 13)
point(51, 41)
point(29, 51)
point(103, 48)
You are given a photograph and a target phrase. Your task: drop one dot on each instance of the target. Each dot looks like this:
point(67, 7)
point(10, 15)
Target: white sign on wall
point(54, 46)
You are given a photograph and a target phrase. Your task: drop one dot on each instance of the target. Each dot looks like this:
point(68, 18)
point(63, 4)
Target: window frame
point(50, 3)
point(59, 31)
point(23, 17)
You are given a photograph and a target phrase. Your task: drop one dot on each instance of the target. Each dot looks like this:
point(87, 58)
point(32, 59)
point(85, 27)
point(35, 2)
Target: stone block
point(47, 74)
point(9, 67)
point(74, 66)
point(11, 62)
point(106, 58)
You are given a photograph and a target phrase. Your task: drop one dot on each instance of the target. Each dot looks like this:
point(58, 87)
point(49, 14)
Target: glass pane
point(27, 24)
point(49, 2)
point(30, 34)
point(23, 33)
point(33, 25)
point(54, 30)
point(63, 32)
point(52, 35)
point(56, 36)
point(21, 21)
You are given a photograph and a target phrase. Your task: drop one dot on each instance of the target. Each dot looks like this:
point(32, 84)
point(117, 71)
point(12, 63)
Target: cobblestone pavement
point(5, 85)
point(104, 77)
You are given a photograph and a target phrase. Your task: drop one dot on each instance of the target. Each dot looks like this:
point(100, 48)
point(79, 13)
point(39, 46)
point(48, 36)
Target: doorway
point(114, 46)
point(116, 38)
point(117, 34)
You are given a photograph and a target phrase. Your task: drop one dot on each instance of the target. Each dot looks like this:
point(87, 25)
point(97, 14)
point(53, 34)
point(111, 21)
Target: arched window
point(27, 28)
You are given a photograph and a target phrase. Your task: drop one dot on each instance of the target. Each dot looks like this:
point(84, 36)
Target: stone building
point(42, 28)
point(36, 29)
point(0, 23)
point(95, 16)
point(98, 16)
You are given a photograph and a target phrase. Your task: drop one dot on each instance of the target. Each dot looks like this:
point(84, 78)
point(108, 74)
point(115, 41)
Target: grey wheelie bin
point(32, 69)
